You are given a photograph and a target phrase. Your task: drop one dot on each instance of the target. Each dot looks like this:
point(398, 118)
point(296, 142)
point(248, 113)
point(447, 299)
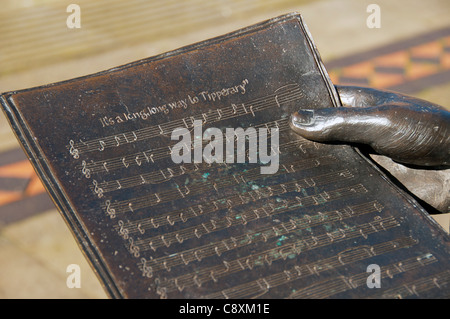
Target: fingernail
point(303, 117)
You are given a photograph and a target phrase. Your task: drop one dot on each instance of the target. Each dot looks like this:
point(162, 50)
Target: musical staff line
point(233, 219)
point(167, 174)
point(284, 94)
point(264, 234)
point(202, 187)
point(422, 285)
point(149, 156)
point(267, 257)
point(183, 215)
point(254, 289)
point(335, 286)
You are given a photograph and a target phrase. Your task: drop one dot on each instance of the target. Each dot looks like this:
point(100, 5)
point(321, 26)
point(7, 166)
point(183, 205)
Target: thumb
point(419, 136)
point(354, 125)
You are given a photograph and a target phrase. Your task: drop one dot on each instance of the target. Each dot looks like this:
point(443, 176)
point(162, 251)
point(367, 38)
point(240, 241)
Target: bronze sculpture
point(411, 131)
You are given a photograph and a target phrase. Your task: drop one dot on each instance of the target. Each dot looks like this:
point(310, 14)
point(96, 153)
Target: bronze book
point(180, 178)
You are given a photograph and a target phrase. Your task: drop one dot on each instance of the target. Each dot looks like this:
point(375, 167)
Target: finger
point(419, 136)
point(425, 184)
point(360, 125)
point(355, 96)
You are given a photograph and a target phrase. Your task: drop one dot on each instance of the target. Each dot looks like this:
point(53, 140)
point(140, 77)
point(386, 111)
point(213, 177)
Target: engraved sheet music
point(156, 228)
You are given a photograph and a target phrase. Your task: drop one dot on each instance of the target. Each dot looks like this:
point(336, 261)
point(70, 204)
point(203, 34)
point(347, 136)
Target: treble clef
point(133, 249)
point(110, 211)
point(98, 190)
point(74, 151)
point(146, 270)
point(86, 171)
point(123, 231)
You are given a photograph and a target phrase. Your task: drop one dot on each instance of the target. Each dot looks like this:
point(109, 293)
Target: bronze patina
point(152, 228)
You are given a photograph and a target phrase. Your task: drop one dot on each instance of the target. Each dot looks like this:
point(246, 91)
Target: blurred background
point(408, 51)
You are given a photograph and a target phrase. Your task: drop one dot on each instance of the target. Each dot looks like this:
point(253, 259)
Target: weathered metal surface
point(408, 130)
point(152, 228)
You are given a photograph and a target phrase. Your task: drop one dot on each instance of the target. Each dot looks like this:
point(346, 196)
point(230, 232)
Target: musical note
point(138, 162)
point(146, 157)
point(155, 225)
point(192, 120)
point(141, 230)
point(125, 164)
point(286, 93)
point(102, 146)
point(234, 108)
point(251, 110)
point(205, 118)
point(276, 101)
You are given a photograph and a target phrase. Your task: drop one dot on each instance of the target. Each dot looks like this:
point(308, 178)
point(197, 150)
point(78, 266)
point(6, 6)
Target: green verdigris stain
point(249, 238)
point(280, 240)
